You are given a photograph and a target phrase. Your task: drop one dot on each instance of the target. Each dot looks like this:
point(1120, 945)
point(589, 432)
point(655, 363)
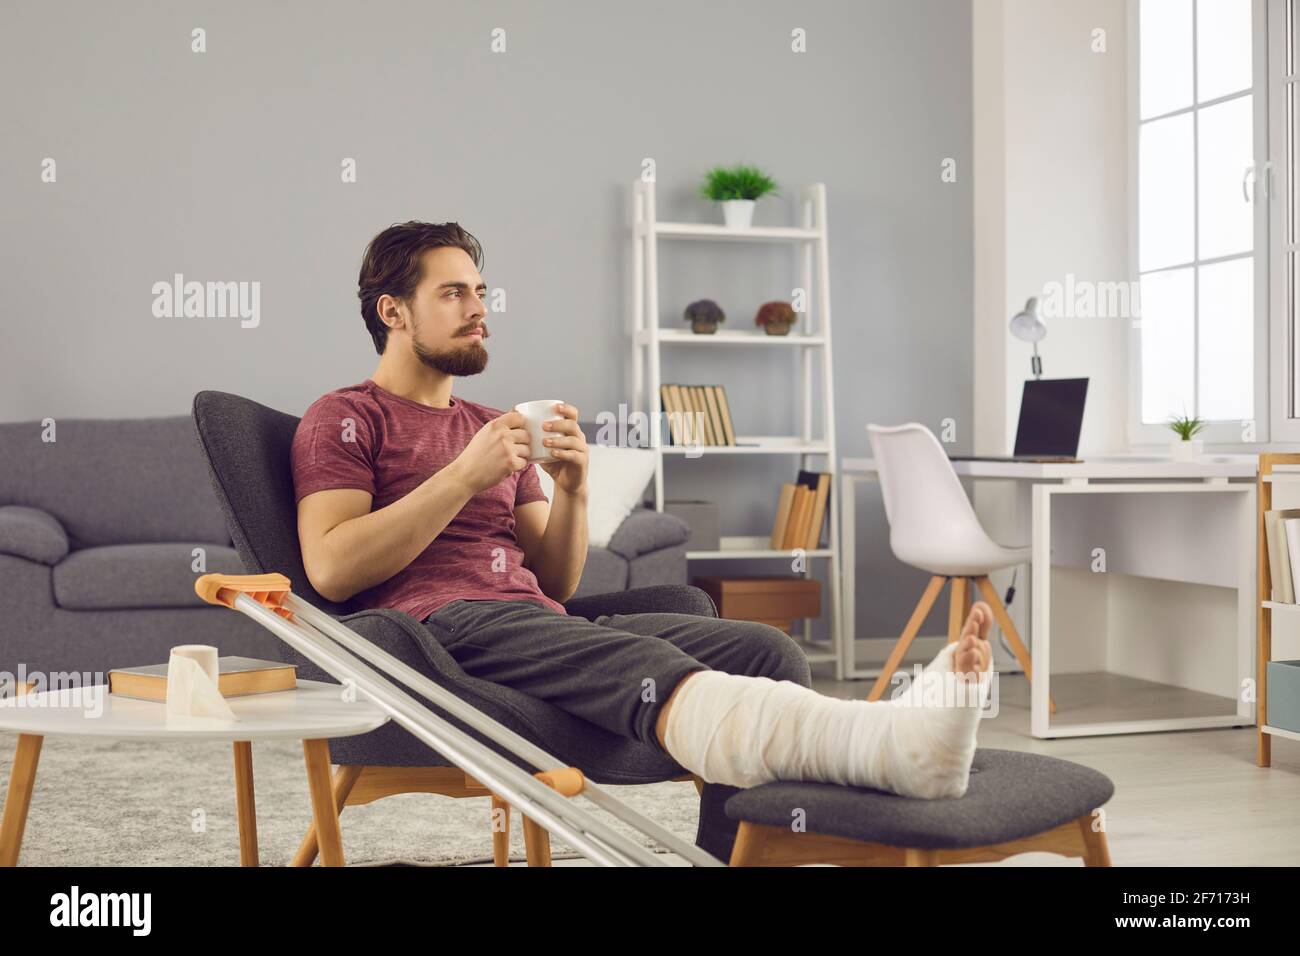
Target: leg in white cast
point(743, 731)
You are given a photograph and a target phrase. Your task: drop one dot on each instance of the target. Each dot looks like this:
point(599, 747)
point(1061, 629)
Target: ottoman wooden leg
point(21, 780)
point(245, 804)
point(324, 812)
point(1096, 852)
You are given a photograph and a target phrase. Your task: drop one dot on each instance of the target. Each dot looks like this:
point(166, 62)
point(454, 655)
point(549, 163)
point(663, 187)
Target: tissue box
point(703, 518)
point(1283, 703)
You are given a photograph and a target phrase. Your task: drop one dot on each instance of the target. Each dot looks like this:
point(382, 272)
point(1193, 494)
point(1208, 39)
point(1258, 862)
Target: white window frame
point(1284, 180)
point(1219, 433)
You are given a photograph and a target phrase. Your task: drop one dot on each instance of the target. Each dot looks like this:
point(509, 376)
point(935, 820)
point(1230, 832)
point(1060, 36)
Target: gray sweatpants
point(617, 670)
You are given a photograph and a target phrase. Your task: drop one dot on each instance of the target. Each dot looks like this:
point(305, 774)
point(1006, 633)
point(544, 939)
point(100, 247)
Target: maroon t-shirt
point(365, 437)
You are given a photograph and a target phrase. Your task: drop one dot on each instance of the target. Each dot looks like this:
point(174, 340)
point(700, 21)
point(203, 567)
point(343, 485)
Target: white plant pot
point(738, 213)
point(1180, 450)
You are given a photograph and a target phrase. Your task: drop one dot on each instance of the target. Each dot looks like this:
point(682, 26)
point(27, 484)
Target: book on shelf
point(697, 414)
point(236, 677)
point(1292, 557)
point(671, 399)
point(820, 484)
point(715, 420)
point(783, 505)
point(801, 511)
point(1279, 556)
point(724, 412)
point(701, 409)
point(800, 516)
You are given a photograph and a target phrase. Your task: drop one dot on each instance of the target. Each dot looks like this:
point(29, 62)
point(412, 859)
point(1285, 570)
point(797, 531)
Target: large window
point(1284, 228)
point(1201, 237)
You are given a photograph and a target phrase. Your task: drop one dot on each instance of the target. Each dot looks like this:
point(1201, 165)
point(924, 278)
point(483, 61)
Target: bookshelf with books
point(690, 419)
point(1277, 576)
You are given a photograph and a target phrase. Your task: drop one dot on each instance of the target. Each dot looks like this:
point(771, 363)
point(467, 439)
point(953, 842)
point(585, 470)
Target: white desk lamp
point(1028, 327)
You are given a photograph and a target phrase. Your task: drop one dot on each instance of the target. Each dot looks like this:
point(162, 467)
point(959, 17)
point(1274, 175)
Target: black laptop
point(1051, 417)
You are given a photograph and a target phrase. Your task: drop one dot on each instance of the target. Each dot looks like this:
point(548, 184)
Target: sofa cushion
point(647, 530)
point(616, 478)
point(124, 576)
point(604, 572)
point(113, 481)
point(32, 534)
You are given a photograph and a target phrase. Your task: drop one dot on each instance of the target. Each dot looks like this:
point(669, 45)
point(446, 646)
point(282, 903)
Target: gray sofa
point(104, 529)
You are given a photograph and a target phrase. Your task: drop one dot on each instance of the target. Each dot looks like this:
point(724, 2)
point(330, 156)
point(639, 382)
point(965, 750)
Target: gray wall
point(224, 166)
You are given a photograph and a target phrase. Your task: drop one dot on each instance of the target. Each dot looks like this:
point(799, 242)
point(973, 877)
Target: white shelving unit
point(809, 341)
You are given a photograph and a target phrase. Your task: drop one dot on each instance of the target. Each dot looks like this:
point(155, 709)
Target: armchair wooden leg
point(959, 600)
point(1009, 629)
point(537, 843)
point(344, 779)
point(909, 633)
point(500, 832)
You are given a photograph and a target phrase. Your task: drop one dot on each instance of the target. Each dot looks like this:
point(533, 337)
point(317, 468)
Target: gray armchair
point(247, 449)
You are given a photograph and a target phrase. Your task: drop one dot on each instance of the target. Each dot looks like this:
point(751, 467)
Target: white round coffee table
point(314, 712)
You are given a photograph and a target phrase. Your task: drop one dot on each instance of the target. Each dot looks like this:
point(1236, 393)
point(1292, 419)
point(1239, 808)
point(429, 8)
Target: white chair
point(932, 526)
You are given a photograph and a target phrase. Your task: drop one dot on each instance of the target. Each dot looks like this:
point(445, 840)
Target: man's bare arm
point(347, 548)
point(554, 541)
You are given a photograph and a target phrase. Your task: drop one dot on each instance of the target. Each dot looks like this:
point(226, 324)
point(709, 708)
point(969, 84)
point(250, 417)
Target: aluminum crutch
point(268, 600)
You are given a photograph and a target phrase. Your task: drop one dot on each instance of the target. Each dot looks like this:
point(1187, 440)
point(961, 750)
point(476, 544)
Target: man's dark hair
point(391, 266)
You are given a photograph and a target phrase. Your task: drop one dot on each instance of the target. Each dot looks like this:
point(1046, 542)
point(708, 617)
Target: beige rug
point(121, 803)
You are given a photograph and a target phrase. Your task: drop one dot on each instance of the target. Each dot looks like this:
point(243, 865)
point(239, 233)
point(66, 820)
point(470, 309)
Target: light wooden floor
point(1182, 798)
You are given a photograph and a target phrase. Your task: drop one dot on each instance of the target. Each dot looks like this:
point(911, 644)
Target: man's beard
point(468, 359)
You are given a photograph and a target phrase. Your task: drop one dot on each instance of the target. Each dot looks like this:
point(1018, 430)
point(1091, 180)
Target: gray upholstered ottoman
point(1015, 803)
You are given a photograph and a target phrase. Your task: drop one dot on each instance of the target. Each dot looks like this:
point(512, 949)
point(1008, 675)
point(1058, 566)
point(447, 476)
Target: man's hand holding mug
point(558, 446)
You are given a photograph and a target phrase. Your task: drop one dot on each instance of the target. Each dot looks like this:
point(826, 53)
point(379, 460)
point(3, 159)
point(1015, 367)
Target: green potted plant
point(704, 316)
point(737, 189)
point(775, 317)
point(1186, 447)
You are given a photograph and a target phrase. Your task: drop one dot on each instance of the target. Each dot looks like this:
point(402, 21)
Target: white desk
point(1148, 517)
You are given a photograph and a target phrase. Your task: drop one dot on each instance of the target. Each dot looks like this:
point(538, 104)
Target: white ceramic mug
point(534, 414)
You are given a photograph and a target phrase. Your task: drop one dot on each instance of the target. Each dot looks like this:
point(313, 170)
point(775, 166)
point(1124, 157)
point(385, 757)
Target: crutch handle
point(267, 589)
point(566, 780)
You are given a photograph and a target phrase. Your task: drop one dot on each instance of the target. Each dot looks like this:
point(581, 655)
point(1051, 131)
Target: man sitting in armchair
point(412, 498)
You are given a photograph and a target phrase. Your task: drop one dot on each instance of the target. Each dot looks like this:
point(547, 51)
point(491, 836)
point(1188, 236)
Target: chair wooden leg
point(909, 633)
point(1096, 852)
point(537, 843)
point(1009, 629)
point(500, 832)
point(957, 604)
point(344, 778)
point(245, 803)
